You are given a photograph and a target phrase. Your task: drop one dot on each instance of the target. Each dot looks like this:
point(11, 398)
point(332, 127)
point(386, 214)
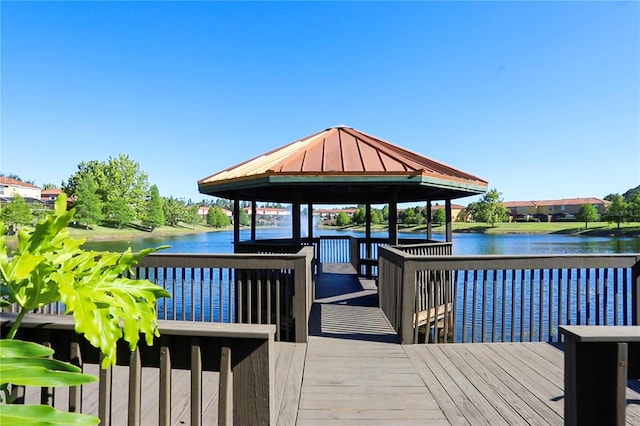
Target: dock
point(354, 371)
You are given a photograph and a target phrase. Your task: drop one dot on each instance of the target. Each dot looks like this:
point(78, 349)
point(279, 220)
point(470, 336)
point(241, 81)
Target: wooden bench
point(241, 353)
point(598, 361)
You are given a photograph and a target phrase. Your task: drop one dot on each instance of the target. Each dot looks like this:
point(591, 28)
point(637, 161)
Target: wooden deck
point(353, 371)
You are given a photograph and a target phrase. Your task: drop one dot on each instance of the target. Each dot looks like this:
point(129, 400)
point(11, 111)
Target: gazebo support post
point(393, 223)
point(447, 207)
point(429, 220)
point(295, 218)
point(367, 218)
point(310, 221)
point(236, 223)
point(254, 208)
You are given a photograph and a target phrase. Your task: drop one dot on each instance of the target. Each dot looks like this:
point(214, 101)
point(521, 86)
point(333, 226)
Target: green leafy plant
point(49, 266)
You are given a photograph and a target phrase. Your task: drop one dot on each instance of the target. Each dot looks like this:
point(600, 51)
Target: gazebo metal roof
point(341, 165)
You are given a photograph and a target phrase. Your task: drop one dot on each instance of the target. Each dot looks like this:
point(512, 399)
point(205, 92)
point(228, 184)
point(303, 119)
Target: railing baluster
point(164, 396)
point(616, 297)
point(196, 383)
point(532, 300)
point(104, 394)
point(465, 292)
point(75, 392)
point(135, 387)
point(484, 306)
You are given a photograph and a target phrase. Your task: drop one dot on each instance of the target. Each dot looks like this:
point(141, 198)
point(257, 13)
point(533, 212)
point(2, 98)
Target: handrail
point(505, 297)
point(242, 354)
point(233, 288)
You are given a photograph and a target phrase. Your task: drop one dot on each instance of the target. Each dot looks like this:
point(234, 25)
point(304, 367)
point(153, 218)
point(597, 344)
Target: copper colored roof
point(341, 164)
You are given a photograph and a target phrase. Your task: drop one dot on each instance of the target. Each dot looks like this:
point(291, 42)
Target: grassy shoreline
point(597, 229)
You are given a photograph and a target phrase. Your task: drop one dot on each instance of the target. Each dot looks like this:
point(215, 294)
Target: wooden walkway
point(353, 371)
point(356, 373)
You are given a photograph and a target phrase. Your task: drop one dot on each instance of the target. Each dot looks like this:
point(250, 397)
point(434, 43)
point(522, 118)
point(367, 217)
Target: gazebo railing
point(505, 298)
point(242, 355)
point(232, 288)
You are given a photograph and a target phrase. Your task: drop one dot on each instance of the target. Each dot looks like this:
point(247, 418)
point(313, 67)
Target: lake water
point(463, 244)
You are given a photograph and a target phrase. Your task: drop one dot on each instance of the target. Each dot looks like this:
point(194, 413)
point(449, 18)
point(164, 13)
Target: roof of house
point(341, 164)
point(50, 192)
point(560, 202)
point(15, 182)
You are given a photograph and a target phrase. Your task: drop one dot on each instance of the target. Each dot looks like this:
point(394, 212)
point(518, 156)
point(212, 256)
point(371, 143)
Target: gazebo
point(341, 165)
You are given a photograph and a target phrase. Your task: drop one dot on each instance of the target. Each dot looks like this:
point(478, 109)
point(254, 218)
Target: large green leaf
point(41, 415)
point(41, 372)
point(49, 266)
point(21, 349)
point(27, 363)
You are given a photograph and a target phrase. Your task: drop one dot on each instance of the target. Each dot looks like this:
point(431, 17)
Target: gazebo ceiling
point(341, 165)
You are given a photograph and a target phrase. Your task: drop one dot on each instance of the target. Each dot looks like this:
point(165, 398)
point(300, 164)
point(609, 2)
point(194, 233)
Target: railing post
point(253, 387)
point(635, 293)
point(408, 302)
point(300, 299)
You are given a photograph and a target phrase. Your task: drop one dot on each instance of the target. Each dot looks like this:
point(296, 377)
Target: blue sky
point(542, 99)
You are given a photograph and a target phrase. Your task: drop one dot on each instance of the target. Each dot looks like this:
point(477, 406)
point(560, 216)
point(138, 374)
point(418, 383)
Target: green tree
point(217, 218)
point(342, 219)
point(617, 209)
point(385, 213)
point(633, 207)
point(360, 215)
point(116, 178)
point(88, 206)
point(192, 217)
point(408, 216)
point(174, 210)
point(245, 220)
point(440, 216)
point(376, 216)
point(117, 213)
point(16, 213)
point(154, 215)
point(587, 213)
point(489, 209)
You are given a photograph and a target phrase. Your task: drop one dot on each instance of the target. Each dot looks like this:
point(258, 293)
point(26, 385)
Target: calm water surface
point(463, 244)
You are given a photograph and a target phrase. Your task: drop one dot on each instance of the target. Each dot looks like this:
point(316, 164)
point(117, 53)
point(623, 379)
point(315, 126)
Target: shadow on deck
point(347, 307)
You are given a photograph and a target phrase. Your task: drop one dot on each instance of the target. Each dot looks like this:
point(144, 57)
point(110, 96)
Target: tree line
point(116, 193)
point(113, 193)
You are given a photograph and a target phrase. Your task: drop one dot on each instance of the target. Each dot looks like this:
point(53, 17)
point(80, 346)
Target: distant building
point(458, 212)
point(203, 211)
point(550, 207)
point(10, 187)
point(49, 196)
point(268, 211)
point(331, 214)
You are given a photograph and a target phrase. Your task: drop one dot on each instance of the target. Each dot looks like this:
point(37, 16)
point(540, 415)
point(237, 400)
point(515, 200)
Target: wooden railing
point(367, 265)
point(345, 249)
point(505, 298)
point(242, 354)
point(233, 288)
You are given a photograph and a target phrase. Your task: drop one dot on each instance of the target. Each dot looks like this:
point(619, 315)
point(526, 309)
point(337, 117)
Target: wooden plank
point(225, 411)
point(515, 389)
point(288, 411)
point(514, 365)
point(483, 375)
